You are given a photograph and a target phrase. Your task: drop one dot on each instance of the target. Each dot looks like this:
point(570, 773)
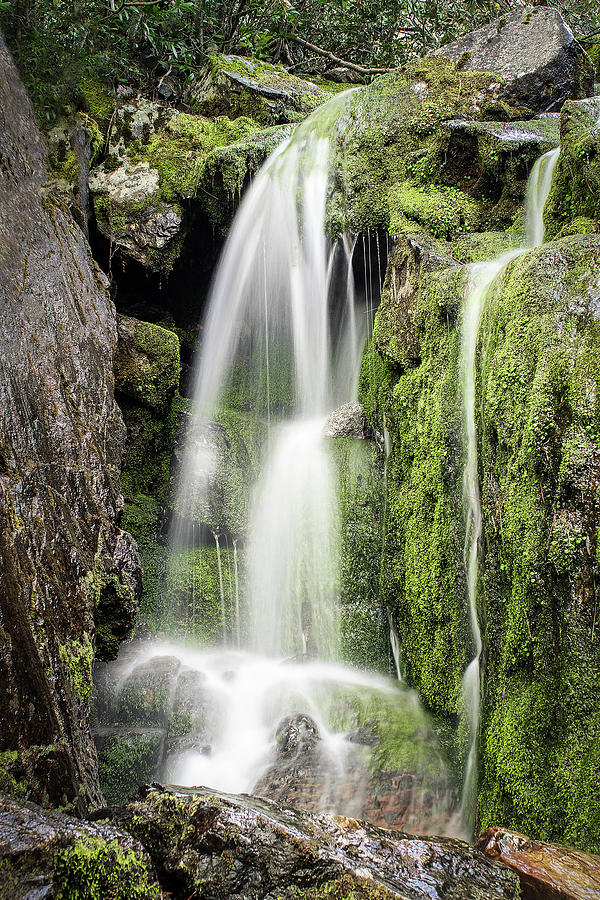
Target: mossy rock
point(575, 192)
point(146, 362)
point(540, 462)
point(47, 853)
point(409, 387)
point(391, 134)
point(128, 758)
point(269, 94)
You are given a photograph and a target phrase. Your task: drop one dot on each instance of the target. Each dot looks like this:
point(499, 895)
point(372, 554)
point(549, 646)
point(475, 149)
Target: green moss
point(439, 211)
point(344, 888)
point(539, 445)
point(98, 102)
point(77, 658)
point(125, 762)
point(580, 225)
point(180, 723)
point(298, 97)
point(482, 247)
point(193, 593)
point(11, 774)
point(422, 577)
point(65, 165)
point(364, 635)
point(575, 192)
point(179, 152)
point(391, 135)
point(93, 869)
point(149, 368)
point(14, 880)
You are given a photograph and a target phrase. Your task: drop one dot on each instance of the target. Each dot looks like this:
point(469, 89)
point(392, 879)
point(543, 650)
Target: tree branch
point(341, 62)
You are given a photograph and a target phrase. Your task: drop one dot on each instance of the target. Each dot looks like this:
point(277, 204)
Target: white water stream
point(482, 279)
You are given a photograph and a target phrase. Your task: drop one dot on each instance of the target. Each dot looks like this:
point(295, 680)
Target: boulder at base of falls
point(241, 847)
point(534, 52)
point(546, 871)
point(69, 575)
point(47, 854)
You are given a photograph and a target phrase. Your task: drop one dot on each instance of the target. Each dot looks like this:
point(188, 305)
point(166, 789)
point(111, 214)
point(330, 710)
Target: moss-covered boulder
point(574, 202)
point(418, 152)
point(146, 363)
point(241, 86)
point(157, 161)
point(131, 214)
point(49, 854)
point(540, 465)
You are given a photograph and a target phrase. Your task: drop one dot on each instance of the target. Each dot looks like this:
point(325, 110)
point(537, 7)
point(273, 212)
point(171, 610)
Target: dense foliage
point(60, 43)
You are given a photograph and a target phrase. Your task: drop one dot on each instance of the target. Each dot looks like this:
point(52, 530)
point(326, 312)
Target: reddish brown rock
point(546, 871)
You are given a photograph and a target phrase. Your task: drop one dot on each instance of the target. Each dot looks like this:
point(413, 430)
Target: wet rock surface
point(242, 847)
point(47, 854)
point(69, 576)
point(146, 362)
point(573, 202)
point(534, 52)
point(546, 871)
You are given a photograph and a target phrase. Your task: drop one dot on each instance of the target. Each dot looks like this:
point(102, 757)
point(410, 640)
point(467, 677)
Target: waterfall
point(482, 277)
point(281, 331)
point(281, 347)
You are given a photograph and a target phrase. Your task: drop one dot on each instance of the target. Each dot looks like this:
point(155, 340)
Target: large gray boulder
point(69, 576)
point(534, 51)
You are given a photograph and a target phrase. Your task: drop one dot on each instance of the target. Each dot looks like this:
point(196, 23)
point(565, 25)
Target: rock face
point(156, 160)
point(539, 462)
point(47, 854)
point(546, 871)
point(534, 52)
point(242, 847)
point(69, 576)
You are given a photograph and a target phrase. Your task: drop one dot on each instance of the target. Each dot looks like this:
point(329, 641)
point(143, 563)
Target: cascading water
point(482, 278)
point(270, 325)
point(281, 348)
